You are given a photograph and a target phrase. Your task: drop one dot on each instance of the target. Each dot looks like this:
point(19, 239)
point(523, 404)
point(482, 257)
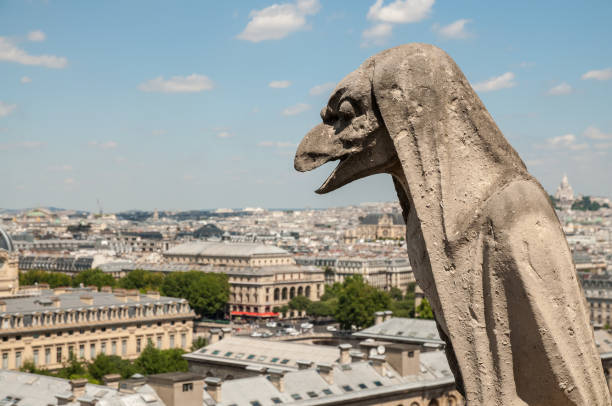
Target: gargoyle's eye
point(346, 110)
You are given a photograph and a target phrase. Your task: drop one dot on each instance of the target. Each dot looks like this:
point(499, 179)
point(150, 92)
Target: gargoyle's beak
point(317, 147)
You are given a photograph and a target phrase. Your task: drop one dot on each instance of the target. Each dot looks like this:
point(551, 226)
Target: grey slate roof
point(237, 271)
point(299, 384)
point(40, 390)
point(221, 249)
point(72, 300)
point(403, 330)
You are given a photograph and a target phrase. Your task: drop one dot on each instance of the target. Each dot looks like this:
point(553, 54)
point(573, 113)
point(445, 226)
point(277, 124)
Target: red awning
point(255, 314)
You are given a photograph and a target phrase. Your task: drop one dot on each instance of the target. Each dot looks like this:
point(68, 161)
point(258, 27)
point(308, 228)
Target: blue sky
point(201, 104)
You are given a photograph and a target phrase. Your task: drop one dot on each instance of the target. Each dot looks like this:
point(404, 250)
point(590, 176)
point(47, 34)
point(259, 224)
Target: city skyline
point(144, 106)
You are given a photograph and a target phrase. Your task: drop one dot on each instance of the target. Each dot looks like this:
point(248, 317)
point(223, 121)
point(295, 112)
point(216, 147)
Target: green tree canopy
point(357, 302)
point(93, 277)
point(54, 279)
point(154, 361)
point(110, 364)
point(322, 309)
point(424, 311)
point(207, 293)
point(142, 280)
point(299, 303)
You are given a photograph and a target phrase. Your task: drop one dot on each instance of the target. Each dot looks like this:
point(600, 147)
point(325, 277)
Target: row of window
point(48, 353)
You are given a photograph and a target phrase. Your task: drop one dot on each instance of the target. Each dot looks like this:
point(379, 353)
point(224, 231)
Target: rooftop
point(225, 249)
point(404, 330)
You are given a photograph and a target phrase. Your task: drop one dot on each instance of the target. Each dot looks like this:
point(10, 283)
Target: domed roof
point(5, 241)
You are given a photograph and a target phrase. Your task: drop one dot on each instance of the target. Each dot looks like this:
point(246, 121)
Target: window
point(363, 386)
point(255, 403)
point(92, 351)
point(159, 342)
point(228, 354)
point(114, 347)
point(103, 348)
point(123, 347)
point(18, 359)
point(285, 361)
point(58, 355)
point(216, 352)
point(70, 351)
point(172, 341)
point(82, 350)
point(35, 357)
point(274, 359)
point(183, 340)
point(5, 360)
point(251, 356)
point(312, 394)
point(347, 388)
point(296, 396)
point(187, 387)
point(47, 356)
point(327, 391)
point(277, 401)
point(138, 344)
point(378, 383)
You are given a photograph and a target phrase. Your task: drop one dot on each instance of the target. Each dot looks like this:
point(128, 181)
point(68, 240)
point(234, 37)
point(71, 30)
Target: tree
point(357, 302)
point(54, 279)
point(321, 308)
point(110, 364)
point(424, 311)
point(299, 303)
point(154, 361)
point(396, 293)
point(206, 292)
point(198, 343)
point(142, 280)
point(72, 369)
point(93, 277)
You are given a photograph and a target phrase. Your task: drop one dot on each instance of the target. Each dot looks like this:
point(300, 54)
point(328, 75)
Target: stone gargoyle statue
point(484, 242)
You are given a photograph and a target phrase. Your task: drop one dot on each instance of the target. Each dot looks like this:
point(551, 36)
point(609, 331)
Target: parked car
point(331, 328)
point(271, 324)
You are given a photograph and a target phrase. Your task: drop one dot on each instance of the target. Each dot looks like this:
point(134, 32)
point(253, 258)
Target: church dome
point(5, 241)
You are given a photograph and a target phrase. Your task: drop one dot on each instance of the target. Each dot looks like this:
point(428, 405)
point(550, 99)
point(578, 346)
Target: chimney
point(357, 356)
point(388, 315)
point(59, 290)
point(112, 380)
point(120, 296)
point(106, 289)
point(345, 358)
point(379, 361)
point(153, 294)
point(2, 306)
point(327, 372)
point(214, 335)
point(277, 377)
point(56, 301)
point(227, 332)
point(379, 317)
point(304, 364)
point(405, 360)
point(133, 294)
point(87, 299)
point(213, 387)
point(77, 386)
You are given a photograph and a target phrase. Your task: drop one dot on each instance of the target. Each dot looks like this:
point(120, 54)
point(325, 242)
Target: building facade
point(48, 327)
point(228, 254)
point(376, 227)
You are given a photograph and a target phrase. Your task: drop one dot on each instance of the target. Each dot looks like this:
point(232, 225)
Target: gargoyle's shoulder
point(518, 199)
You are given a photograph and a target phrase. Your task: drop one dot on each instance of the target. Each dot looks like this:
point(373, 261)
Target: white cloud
point(36, 36)
point(6, 109)
point(400, 11)
point(595, 133)
point(279, 84)
point(25, 79)
point(603, 74)
point(225, 134)
point(527, 64)
point(278, 20)
point(103, 145)
point(566, 141)
point(322, 88)
point(178, 84)
point(496, 83)
point(276, 144)
point(297, 109)
point(560, 89)
point(376, 35)
point(455, 30)
point(9, 52)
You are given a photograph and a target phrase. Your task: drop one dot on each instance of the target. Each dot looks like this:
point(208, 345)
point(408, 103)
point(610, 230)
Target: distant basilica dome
point(5, 241)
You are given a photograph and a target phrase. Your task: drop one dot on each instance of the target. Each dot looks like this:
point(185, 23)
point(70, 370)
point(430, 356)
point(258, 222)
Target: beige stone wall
point(50, 348)
point(9, 274)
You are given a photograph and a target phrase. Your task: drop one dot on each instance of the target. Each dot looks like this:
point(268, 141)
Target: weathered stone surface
point(485, 244)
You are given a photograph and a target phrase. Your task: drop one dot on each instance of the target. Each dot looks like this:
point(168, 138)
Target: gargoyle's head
point(352, 132)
